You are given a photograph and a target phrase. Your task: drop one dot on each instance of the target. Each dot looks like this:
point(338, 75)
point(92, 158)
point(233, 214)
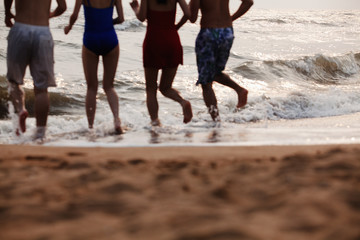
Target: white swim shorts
point(32, 46)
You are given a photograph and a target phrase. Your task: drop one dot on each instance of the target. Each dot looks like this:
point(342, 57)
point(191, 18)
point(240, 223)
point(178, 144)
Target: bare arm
point(244, 7)
point(186, 10)
point(73, 16)
point(182, 21)
point(194, 10)
point(120, 12)
point(8, 14)
point(60, 9)
point(140, 11)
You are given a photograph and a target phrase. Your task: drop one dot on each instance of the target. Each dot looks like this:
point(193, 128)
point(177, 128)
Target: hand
point(134, 5)
point(8, 21)
point(118, 20)
point(51, 14)
point(67, 29)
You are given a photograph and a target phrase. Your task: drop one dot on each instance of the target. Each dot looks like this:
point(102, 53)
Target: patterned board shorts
point(32, 46)
point(212, 52)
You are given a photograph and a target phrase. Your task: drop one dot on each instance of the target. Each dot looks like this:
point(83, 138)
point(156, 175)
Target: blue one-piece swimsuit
point(99, 36)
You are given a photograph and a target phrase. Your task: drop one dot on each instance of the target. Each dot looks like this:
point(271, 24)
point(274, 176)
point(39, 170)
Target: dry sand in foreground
point(180, 193)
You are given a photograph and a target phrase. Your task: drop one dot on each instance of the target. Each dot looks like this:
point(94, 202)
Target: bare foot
point(39, 133)
point(214, 113)
point(187, 111)
point(22, 120)
point(117, 125)
point(155, 123)
point(242, 98)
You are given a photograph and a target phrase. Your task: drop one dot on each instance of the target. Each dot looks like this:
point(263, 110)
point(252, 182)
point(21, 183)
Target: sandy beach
point(180, 193)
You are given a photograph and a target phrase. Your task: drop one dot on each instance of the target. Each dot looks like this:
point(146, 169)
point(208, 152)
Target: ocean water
point(301, 67)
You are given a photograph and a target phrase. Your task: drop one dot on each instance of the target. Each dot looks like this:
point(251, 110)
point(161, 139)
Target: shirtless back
point(215, 13)
point(33, 12)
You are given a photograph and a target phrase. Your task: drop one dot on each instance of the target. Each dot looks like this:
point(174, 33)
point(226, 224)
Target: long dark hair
point(161, 1)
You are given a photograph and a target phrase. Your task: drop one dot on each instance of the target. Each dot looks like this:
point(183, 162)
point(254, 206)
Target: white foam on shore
point(314, 131)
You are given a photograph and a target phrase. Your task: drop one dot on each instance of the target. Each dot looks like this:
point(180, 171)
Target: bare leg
point(110, 62)
point(210, 101)
point(242, 93)
point(151, 91)
point(90, 64)
point(166, 81)
point(22, 119)
point(42, 104)
point(18, 99)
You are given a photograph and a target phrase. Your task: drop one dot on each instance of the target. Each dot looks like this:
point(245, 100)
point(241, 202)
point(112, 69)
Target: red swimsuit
point(162, 47)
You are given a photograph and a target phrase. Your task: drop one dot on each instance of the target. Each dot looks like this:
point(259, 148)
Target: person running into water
point(100, 39)
point(213, 45)
point(161, 50)
point(30, 43)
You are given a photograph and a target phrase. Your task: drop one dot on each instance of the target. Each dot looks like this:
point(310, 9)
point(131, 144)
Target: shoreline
point(343, 129)
point(165, 152)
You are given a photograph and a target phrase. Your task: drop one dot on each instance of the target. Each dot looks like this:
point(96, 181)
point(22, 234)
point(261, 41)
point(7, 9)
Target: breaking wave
point(319, 68)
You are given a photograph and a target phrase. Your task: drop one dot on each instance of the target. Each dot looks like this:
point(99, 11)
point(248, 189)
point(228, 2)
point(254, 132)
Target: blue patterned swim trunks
point(212, 52)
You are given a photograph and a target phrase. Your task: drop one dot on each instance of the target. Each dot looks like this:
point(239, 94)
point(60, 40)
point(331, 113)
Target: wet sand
point(180, 193)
